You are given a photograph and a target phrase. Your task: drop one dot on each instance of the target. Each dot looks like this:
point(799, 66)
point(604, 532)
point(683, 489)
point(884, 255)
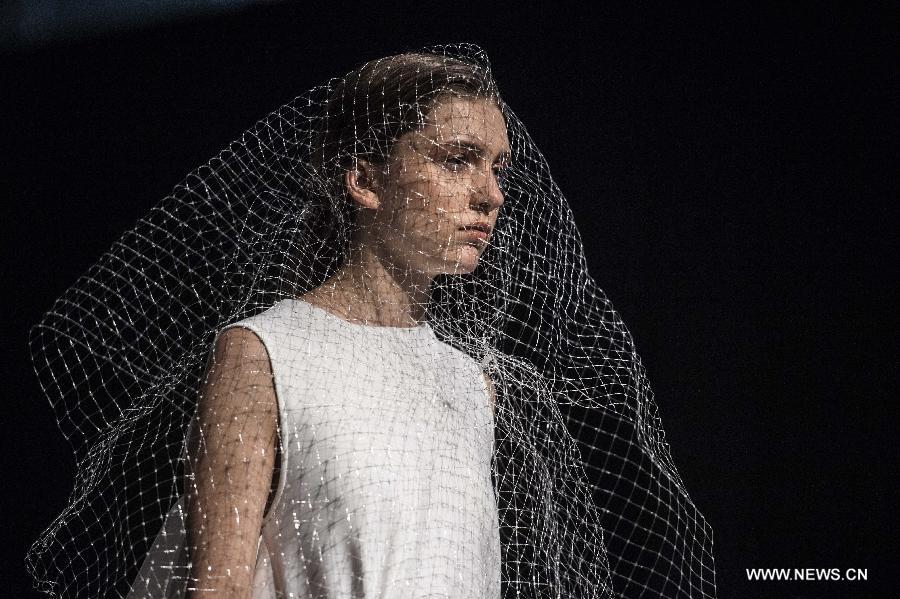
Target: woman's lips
point(475, 234)
point(478, 231)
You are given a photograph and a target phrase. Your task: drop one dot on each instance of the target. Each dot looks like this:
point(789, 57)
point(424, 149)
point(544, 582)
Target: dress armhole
point(488, 387)
point(490, 390)
point(281, 457)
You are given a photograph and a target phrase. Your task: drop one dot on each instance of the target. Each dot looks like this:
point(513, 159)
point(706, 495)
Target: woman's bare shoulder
point(238, 343)
point(239, 371)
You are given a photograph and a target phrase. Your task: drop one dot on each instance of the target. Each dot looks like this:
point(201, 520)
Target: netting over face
point(359, 354)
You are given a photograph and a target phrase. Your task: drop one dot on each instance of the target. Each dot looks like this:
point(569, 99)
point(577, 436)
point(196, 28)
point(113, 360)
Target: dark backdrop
point(728, 171)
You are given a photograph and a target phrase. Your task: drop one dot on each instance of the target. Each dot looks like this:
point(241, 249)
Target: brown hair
point(374, 105)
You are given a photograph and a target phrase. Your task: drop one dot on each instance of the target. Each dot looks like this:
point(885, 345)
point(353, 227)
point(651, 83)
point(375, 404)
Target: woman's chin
point(465, 261)
point(468, 259)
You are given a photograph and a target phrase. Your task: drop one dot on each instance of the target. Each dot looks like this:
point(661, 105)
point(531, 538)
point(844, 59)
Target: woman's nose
point(488, 193)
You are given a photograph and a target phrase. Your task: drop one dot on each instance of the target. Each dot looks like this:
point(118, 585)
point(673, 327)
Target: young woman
point(389, 516)
point(412, 386)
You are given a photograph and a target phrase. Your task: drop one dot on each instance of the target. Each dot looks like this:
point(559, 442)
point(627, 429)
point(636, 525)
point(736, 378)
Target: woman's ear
point(362, 184)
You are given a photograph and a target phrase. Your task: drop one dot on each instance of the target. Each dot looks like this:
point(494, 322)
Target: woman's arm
point(231, 459)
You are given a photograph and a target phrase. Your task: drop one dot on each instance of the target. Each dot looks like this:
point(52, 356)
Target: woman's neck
point(369, 289)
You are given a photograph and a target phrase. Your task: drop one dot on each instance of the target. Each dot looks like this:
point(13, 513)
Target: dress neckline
point(421, 329)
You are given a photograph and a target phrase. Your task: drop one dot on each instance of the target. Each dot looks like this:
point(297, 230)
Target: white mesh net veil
point(359, 354)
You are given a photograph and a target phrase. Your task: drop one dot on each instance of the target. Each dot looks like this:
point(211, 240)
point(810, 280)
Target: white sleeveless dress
point(385, 488)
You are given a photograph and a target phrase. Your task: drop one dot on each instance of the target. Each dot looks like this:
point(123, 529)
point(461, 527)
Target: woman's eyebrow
point(474, 146)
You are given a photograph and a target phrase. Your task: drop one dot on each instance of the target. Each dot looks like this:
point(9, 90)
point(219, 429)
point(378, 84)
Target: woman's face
point(440, 198)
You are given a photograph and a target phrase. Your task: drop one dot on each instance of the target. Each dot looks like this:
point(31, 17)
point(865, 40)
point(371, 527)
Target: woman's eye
point(456, 161)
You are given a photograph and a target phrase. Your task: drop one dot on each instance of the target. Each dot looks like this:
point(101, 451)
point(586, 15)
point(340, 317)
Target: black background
point(728, 169)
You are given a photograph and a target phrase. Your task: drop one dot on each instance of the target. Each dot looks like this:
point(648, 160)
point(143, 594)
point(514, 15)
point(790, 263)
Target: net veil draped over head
point(508, 444)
